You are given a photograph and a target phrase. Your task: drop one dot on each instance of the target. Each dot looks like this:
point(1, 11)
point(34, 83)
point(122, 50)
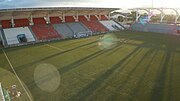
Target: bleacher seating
point(21, 22)
point(77, 27)
point(64, 30)
point(39, 21)
point(55, 20)
point(82, 18)
point(95, 26)
point(45, 32)
point(6, 23)
point(103, 17)
point(93, 18)
point(69, 19)
point(111, 25)
point(12, 33)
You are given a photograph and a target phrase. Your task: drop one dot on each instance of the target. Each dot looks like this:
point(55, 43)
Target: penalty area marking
point(55, 47)
point(16, 74)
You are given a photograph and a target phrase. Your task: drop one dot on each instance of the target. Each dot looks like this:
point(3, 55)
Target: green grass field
point(146, 68)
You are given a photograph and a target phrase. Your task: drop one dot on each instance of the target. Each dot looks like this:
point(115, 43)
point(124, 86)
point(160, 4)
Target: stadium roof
point(161, 10)
point(6, 14)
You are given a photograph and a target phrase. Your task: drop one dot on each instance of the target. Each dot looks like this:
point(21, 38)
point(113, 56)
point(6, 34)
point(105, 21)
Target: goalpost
point(2, 98)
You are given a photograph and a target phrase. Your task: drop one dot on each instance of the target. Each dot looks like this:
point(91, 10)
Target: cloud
point(39, 3)
point(4, 4)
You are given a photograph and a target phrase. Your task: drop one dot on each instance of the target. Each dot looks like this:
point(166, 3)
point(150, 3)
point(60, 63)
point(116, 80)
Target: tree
point(133, 15)
point(120, 19)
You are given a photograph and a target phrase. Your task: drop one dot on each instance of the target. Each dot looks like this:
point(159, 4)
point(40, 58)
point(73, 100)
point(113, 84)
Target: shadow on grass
point(171, 79)
point(80, 61)
point(140, 81)
point(158, 90)
point(86, 91)
point(116, 49)
point(74, 65)
point(18, 68)
point(75, 41)
point(123, 84)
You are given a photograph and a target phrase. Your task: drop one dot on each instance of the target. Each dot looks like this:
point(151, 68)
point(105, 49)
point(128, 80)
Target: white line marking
point(55, 47)
point(16, 75)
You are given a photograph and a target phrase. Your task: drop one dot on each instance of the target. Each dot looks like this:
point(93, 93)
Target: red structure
point(45, 32)
point(95, 26)
point(55, 20)
point(39, 21)
point(103, 17)
point(6, 23)
point(93, 18)
point(69, 19)
point(82, 18)
point(21, 22)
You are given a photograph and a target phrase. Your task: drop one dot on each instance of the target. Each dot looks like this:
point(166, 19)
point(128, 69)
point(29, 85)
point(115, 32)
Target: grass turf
point(146, 68)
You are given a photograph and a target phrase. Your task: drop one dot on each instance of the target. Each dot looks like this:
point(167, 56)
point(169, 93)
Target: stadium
point(85, 54)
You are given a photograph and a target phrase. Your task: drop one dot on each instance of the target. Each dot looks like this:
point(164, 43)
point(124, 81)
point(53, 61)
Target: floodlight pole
point(152, 3)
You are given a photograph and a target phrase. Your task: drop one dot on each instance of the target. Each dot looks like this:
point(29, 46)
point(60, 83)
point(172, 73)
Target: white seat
point(11, 35)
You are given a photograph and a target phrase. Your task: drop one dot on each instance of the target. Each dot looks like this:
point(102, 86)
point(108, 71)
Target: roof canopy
point(7, 14)
point(161, 10)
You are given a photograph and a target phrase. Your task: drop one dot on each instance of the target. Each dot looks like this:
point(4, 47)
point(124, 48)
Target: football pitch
point(144, 67)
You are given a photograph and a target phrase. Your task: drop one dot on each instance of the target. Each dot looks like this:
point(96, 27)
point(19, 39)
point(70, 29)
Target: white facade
point(111, 25)
point(12, 33)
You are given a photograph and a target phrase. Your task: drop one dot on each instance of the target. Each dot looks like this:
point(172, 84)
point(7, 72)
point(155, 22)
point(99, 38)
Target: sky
point(124, 4)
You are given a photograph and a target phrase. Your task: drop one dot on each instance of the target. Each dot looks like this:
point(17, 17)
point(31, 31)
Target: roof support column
point(47, 19)
point(31, 20)
point(76, 17)
point(137, 15)
point(176, 19)
point(97, 17)
point(177, 15)
point(87, 17)
point(12, 21)
point(108, 16)
point(62, 17)
point(162, 15)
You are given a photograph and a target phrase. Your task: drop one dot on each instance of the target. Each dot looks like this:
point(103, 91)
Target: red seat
point(55, 20)
point(82, 18)
point(93, 18)
point(45, 32)
point(69, 19)
point(95, 26)
point(21, 22)
point(39, 21)
point(6, 23)
point(103, 17)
